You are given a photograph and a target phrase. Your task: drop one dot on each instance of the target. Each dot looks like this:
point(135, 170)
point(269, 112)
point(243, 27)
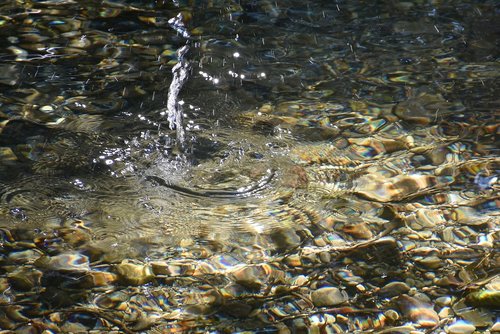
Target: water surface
point(219, 166)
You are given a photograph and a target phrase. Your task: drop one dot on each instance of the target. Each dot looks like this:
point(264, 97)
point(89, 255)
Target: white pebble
point(461, 327)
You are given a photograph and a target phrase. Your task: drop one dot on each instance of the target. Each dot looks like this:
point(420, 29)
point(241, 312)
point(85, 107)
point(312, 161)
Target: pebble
point(460, 327)
point(358, 231)
point(172, 269)
point(25, 278)
point(484, 298)
point(69, 262)
point(25, 256)
point(417, 311)
point(448, 235)
point(4, 284)
point(47, 109)
point(97, 278)
point(445, 313)
point(443, 301)
point(392, 315)
point(136, 274)
point(325, 257)
point(328, 296)
point(293, 260)
point(320, 242)
point(342, 319)
point(237, 309)
point(432, 262)
point(300, 280)
point(251, 277)
point(393, 289)
point(71, 327)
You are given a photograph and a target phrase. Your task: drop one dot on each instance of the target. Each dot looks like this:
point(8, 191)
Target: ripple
point(31, 200)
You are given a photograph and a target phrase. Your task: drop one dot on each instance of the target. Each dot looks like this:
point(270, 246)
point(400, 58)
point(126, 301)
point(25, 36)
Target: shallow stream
point(249, 166)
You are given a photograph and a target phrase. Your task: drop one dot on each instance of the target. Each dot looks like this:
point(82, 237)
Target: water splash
point(180, 75)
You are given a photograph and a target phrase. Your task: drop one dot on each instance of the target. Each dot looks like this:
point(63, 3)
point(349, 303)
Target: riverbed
point(249, 166)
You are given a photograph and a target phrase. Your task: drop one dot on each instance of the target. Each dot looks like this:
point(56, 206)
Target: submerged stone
point(460, 327)
point(484, 298)
point(133, 273)
point(359, 231)
point(328, 296)
point(97, 278)
point(393, 289)
point(71, 262)
point(394, 188)
point(418, 311)
point(426, 108)
point(25, 278)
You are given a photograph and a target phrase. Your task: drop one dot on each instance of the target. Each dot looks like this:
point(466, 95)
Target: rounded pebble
point(461, 327)
point(394, 289)
point(328, 296)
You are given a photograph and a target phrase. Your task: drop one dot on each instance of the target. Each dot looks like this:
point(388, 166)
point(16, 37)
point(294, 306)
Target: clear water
point(301, 127)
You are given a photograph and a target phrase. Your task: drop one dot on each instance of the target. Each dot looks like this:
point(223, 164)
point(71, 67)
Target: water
point(180, 74)
point(212, 166)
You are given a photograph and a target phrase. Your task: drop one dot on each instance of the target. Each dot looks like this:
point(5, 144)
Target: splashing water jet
point(180, 75)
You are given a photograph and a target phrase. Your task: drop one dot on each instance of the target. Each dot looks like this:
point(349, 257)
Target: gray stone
point(328, 296)
point(393, 289)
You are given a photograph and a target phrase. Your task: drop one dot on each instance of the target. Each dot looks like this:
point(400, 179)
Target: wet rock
point(111, 300)
point(300, 280)
point(285, 238)
point(237, 309)
point(72, 262)
point(14, 313)
point(97, 278)
point(203, 302)
point(445, 313)
point(328, 296)
point(396, 188)
point(325, 257)
point(204, 268)
point(443, 301)
point(484, 298)
point(494, 284)
point(135, 274)
point(393, 289)
point(10, 74)
point(358, 231)
point(425, 219)
point(478, 316)
point(55, 297)
point(392, 315)
point(73, 327)
point(173, 268)
point(251, 277)
point(417, 311)
point(432, 262)
point(296, 177)
point(25, 278)
point(425, 108)
point(4, 284)
point(293, 260)
point(383, 250)
point(348, 277)
point(495, 327)
point(5, 322)
point(460, 327)
point(25, 256)
point(468, 216)
point(74, 236)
